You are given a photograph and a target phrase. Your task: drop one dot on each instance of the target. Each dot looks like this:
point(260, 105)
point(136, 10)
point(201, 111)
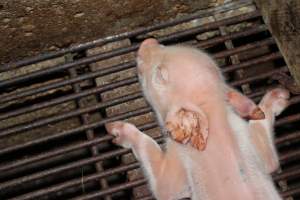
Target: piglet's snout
point(146, 47)
point(148, 42)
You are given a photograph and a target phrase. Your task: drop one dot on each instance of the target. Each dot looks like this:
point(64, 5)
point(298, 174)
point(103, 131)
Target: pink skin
point(187, 92)
point(243, 106)
point(261, 131)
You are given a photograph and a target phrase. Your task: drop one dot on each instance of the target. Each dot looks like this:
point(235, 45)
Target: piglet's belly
point(218, 175)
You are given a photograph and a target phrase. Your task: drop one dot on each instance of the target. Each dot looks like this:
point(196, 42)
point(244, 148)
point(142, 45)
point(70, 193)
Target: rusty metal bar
point(125, 50)
point(102, 193)
point(64, 150)
point(100, 105)
point(89, 132)
point(288, 119)
point(61, 169)
point(26, 92)
point(76, 130)
point(14, 183)
point(252, 62)
point(278, 122)
point(258, 94)
point(258, 44)
point(120, 83)
point(18, 181)
point(113, 189)
point(22, 163)
point(58, 68)
point(291, 192)
point(258, 77)
point(70, 97)
point(143, 181)
point(26, 161)
point(68, 115)
point(292, 155)
point(102, 41)
point(73, 113)
point(72, 183)
point(151, 198)
point(288, 138)
point(234, 59)
point(78, 181)
point(209, 27)
point(294, 100)
point(234, 83)
point(217, 40)
point(290, 174)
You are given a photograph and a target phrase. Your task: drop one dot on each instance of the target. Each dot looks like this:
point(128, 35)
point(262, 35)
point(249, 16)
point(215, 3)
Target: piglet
point(211, 152)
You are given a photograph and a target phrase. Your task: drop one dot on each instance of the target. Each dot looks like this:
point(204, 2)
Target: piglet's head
point(180, 83)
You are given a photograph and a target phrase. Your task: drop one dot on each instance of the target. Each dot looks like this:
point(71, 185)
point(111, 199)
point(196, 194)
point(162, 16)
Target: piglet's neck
point(218, 121)
point(221, 136)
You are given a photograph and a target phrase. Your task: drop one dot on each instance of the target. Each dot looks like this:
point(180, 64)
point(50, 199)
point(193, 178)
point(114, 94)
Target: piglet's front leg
point(261, 122)
point(262, 135)
point(244, 106)
point(164, 171)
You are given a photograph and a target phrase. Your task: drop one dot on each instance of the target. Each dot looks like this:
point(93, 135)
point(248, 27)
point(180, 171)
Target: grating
point(53, 106)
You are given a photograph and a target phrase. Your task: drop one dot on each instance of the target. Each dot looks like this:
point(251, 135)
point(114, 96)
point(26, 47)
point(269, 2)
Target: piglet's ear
point(244, 106)
point(188, 126)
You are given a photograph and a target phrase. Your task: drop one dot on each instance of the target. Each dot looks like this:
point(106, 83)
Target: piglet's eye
point(161, 75)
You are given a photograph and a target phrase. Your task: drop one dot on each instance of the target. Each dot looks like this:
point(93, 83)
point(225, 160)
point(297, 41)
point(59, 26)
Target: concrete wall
point(28, 27)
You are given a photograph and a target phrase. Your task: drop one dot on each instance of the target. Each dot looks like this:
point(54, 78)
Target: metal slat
point(111, 86)
point(119, 67)
point(90, 134)
point(124, 50)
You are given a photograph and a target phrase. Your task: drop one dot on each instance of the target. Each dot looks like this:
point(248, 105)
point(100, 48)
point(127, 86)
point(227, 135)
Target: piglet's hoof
point(125, 134)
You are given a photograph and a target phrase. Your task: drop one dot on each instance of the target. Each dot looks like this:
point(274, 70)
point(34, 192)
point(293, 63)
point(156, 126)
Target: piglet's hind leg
point(163, 170)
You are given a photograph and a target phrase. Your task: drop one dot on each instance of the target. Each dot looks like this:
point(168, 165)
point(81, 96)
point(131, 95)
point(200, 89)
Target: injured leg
point(163, 170)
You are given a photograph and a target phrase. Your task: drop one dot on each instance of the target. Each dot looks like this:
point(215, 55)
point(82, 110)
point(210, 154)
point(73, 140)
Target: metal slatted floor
point(53, 106)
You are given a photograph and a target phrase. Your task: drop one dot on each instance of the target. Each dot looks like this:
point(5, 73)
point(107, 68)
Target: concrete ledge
point(29, 27)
